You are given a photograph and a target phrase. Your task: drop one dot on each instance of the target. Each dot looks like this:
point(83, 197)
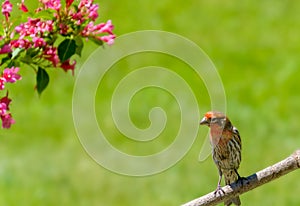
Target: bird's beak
point(204, 121)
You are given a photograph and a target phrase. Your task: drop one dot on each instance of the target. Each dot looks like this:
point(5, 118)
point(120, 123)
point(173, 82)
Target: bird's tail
point(230, 176)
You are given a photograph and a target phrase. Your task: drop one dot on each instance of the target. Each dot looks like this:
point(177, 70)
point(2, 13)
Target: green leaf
point(16, 53)
point(50, 39)
point(21, 17)
point(32, 52)
point(42, 80)
point(44, 14)
point(27, 59)
point(97, 41)
point(5, 59)
point(66, 49)
point(13, 63)
point(79, 45)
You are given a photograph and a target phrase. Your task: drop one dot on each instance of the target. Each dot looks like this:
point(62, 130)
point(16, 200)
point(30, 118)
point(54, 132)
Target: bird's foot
point(242, 180)
point(219, 191)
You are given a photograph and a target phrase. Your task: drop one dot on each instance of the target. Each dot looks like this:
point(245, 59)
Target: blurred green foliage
point(255, 47)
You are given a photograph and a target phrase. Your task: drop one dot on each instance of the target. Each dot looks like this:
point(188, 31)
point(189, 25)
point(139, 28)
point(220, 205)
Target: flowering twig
point(264, 176)
point(35, 42)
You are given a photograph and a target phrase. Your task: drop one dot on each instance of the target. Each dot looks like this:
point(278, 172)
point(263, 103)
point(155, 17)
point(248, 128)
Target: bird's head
point(215, 118)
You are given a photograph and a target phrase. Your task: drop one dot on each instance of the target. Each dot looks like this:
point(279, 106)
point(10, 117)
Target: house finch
point(226, 149)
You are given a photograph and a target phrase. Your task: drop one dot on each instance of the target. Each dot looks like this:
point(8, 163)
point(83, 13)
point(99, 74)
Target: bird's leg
point(240, 179)
point(219, 190)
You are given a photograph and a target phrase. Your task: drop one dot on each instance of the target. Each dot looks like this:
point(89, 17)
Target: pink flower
point(63, 29)
point(38, 42)
point(21, 43)
point(78, 16)
point(50, 53)
point(44, 26)
point(23, 7)
point(69, 3)
point(93, 30)
point(109, 39)
point(6, 8)
point(51, 4)
point(67, 66)
point(10, 74)
point(29, 28)
point(5, 101)
point(105, 27)
point(4, 104)
point(85, 3)
point(2, 109)
point(5, 49)
point(93, 12)
point(88, 29)
point(34, 28)
point(2, 83)
point(6, 117)
point(7, 120)
point(88, 9)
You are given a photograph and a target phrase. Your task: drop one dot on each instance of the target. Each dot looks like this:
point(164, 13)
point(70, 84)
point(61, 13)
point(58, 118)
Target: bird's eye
point(214, 120)
point(218, 121)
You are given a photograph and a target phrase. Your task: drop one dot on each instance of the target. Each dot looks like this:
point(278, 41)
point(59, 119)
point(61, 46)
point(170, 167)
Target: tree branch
point(264, 176)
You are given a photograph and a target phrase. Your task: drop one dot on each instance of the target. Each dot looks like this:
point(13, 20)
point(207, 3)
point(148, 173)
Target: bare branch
point(264, 176)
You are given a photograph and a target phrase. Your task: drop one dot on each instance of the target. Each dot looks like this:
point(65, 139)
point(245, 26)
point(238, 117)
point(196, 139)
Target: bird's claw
point(219, 191)
point(242, 180)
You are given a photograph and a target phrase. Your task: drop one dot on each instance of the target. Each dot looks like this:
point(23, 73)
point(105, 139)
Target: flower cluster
point(35, 42)
point(94, 30)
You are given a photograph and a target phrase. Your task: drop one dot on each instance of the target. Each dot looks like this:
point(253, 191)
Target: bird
point(226, 149)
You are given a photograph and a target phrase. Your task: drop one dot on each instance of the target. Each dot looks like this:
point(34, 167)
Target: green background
point(255, 46)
